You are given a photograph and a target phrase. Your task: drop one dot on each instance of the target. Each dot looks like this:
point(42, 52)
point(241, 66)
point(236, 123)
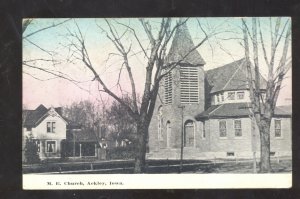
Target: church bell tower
point(181, 95)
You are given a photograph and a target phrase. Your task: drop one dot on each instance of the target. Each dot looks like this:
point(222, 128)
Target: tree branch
point(42, 29)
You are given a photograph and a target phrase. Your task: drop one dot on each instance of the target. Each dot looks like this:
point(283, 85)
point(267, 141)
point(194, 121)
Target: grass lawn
point(157, 166)
point(284, 166)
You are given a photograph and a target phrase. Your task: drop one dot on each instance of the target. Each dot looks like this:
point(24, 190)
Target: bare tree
point(263, 102)
point(122, 126)
point(156, 67)
point(85, 113)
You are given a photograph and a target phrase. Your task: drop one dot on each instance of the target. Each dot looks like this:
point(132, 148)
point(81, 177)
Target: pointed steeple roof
point(182, 45)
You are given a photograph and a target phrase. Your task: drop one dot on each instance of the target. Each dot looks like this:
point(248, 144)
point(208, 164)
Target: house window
point(277, 128)
point(50, 127)
point(222, 97)
point(50, 146)
point(189, 84)
point(240, 95)
point(222, 128)
point(231, 95)
point(38, 145)
point(168, 88)
point(29, 128)
point(238, 128)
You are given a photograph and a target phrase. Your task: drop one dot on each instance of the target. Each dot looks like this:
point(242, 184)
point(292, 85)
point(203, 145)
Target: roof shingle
point(182, 45)
point(234, 110)
point(32, 116)
point(232, 76)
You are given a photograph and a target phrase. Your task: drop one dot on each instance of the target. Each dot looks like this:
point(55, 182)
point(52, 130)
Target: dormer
point(228, 84)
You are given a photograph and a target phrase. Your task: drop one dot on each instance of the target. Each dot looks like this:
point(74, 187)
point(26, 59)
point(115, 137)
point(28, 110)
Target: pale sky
point(220, 50)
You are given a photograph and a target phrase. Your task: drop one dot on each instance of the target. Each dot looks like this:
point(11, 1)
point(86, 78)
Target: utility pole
point(73, 144)
point(182, 129)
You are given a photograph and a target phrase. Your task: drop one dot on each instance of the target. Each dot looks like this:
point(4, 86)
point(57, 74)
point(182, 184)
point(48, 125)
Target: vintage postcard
point(157, 103)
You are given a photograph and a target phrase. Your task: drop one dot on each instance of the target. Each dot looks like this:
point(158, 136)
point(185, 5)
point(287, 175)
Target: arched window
point(160, 122)
point(168, 133)
point(189, 134)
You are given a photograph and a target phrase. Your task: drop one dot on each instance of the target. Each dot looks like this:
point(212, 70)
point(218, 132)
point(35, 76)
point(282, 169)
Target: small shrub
point(31, 150)
point(121, 153)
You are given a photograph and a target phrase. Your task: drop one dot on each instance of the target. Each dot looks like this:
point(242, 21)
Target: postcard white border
point(155, 181)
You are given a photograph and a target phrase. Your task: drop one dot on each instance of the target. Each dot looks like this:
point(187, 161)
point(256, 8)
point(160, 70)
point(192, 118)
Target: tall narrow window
point(160, 123)
point(222, 128)
point(168, 88)
point(48, 127)
point(189, 84)
point(203, 132)
point(168, 134)
point(277, 128)
point(189, 134)
point(53, 127)
point(238, 128)
point(222, 97)
point(37, 144)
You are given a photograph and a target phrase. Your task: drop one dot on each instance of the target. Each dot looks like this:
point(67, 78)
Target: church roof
point(235, 110)
point(182, 46)
point(232, 76)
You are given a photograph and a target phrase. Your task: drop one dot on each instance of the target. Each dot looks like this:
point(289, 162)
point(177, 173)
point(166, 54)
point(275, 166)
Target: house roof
point(234, 110)
point(31, 117)
point(182, 45)
point(34, 117)
point(232, 76)
point(82, 135)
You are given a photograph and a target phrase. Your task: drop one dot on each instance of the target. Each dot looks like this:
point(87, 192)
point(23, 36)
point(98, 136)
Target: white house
point(56, 136)
point(48, 128)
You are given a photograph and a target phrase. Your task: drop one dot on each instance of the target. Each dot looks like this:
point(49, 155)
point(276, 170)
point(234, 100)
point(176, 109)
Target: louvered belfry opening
point(189, 84)
point(168, 88)
point(189, 61)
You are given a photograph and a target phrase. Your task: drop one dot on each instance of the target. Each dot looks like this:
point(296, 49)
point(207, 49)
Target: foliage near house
point(31, 150)
point(122, 126)
point(123, 153)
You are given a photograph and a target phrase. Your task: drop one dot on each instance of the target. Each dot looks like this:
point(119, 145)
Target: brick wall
point(282, 146)
point(173, 113)
point(211, 145)
point(230, 143)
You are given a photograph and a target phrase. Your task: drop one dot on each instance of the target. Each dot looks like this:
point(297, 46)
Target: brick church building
point(208, 112)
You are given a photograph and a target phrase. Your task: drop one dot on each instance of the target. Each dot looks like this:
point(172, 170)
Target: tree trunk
point(140, 158)
point(264, 131)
